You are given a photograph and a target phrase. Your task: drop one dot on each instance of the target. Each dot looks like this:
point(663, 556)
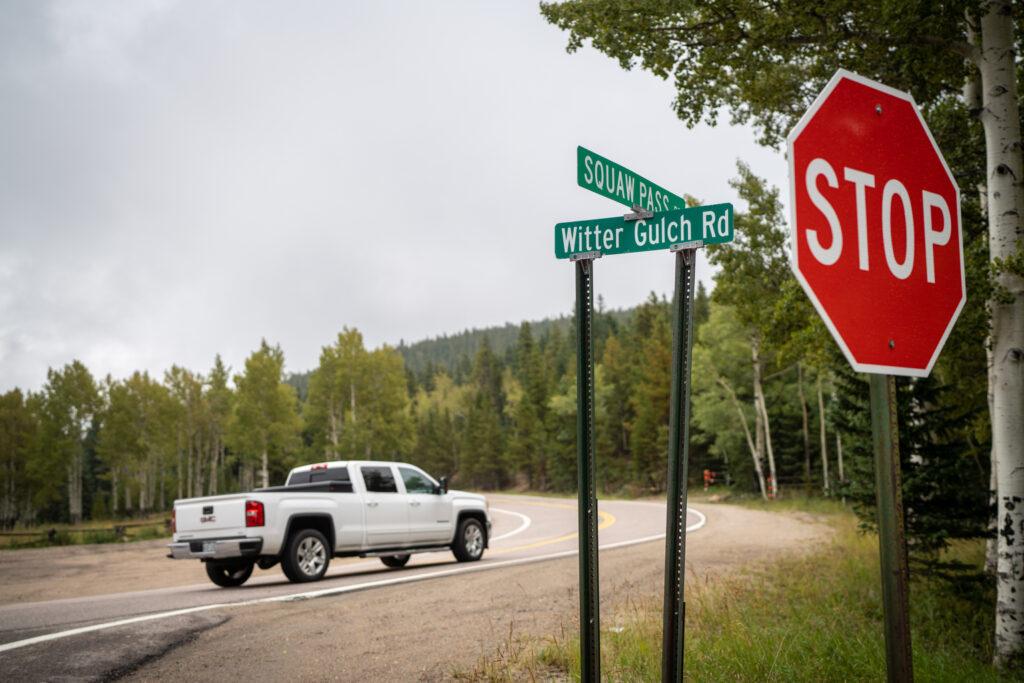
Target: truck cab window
point(332, 474)
point(416, 482)
point(379, 479)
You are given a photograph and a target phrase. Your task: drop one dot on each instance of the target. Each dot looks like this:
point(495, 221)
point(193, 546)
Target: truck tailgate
point(214, 515)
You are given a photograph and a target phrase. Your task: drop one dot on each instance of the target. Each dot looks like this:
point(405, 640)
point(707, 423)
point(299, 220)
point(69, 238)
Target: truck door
point(387, 522)
point(429, 512)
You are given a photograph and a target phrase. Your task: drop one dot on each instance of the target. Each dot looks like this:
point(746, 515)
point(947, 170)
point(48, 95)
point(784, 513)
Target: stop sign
point(876, 234)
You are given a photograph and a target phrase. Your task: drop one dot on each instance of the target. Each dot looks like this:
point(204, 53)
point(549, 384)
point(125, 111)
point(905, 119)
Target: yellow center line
point(607, 519)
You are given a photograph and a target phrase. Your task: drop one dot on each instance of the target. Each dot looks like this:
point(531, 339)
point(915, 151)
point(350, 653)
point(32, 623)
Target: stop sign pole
point(892, 544)
point(877, 246)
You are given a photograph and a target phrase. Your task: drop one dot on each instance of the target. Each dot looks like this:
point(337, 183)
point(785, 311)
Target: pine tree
point(483, 451)
point(614, 456)
point(945, 480)
point(528, 443)
point(650, 399)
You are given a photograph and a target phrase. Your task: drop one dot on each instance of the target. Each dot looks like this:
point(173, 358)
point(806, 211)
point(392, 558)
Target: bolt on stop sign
point(876, 235)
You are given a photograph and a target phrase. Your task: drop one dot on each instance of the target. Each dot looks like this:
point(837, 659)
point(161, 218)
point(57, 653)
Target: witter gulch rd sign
point(711, 224)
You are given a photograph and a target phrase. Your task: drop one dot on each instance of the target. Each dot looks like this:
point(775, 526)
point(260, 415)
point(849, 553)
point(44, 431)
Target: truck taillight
point(253, 513)
point(174, 521)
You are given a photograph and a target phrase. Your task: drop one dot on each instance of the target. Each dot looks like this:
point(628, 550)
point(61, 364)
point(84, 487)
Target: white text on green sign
point(708, 224)
point(609, 179)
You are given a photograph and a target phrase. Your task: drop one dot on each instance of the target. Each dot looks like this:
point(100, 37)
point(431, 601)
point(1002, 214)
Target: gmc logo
point(207, 518)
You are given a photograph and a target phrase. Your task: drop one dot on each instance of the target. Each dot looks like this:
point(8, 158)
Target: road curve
point(526, 530)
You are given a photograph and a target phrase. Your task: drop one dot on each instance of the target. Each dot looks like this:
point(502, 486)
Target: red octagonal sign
point(875, 232)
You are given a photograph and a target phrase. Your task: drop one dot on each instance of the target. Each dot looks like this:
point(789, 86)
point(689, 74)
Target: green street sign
point(609, 179)
point(710, 224)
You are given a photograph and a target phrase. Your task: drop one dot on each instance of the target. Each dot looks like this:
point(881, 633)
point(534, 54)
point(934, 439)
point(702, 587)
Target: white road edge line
point(695, 525)
point(521, 528)
point(292, 597)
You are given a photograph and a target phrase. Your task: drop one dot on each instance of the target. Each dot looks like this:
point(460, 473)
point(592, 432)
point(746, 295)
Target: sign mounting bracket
point(639, 213)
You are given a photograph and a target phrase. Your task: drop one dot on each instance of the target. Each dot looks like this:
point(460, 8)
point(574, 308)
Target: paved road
point(526, 530)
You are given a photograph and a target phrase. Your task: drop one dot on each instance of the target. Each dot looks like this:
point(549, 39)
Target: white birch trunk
point(75, 486)
point(143, 486)
point(991, 545)
point(332, 435)
point(806, 428)
point(188, 459)
point(200, 465)
point(180, 473)
point(162, 489)
point(264, 469)
point(746, 432)
point(215, 447)
point(759, 403)
point(1005, 175)
point(114, 498)
point(825, 487)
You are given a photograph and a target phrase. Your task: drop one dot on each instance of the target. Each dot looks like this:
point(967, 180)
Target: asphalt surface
point(83, 638)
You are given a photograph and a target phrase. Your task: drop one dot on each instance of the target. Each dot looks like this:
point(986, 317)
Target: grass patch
point(812, 618)
point(788, 501)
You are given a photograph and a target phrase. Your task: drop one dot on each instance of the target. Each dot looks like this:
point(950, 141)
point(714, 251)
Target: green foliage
point(139, 437)
point(722, 398)
point(265, 427)
point(358, 404)
point(765, 66)
point(70, 402)
point(19, 449)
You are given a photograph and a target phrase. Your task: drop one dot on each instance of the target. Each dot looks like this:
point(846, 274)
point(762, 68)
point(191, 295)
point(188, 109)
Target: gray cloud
point(181, 179)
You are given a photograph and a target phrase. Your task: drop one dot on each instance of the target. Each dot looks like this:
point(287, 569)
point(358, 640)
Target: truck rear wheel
point(395, 561)
point(469, 540)
point(306, 556)
point(229, 574)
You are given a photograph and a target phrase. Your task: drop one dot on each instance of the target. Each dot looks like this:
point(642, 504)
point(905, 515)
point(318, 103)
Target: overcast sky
point(179, 179)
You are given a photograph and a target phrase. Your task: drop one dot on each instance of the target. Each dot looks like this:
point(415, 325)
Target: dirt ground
point(74, 571)
point(431, 631)
point(79, 571)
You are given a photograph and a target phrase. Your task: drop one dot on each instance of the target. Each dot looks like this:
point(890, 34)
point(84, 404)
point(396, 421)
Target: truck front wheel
point(306, 556)
point(229, 574)
point(469, 540)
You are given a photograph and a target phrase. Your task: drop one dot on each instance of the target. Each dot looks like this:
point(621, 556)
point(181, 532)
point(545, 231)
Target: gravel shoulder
point(428, 631)
point(75, 571)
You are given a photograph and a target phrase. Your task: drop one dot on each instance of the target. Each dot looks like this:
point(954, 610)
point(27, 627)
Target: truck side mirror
point(443, 487)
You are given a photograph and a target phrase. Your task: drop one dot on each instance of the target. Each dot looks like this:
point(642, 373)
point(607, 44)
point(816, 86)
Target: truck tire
point(229, 574)
point(306, 556)
point(469, 540)
point(395, 561)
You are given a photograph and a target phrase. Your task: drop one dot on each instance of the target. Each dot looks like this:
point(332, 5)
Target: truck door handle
point(415, 503)
point(372, 504)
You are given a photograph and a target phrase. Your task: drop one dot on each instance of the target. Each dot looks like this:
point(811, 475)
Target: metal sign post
point(659, 220)
point(678, 464)
point(892, 545)
point(590, 603)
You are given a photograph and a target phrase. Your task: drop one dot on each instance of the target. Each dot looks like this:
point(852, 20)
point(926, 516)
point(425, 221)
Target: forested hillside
point(454, 353)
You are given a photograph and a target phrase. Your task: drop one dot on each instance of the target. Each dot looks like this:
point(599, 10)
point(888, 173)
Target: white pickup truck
point(333, 509)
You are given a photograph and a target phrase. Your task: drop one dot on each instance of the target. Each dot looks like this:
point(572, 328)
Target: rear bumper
point(215, 549)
